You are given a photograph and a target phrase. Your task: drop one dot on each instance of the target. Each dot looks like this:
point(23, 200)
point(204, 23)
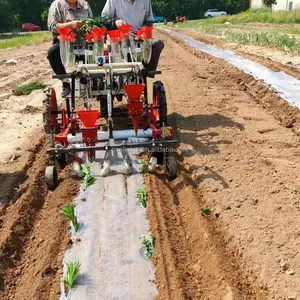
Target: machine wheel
point(159, 155)
point(51, 177)
point(171, 167)
point(160, 102)
point(49, 103)
point(47, 112)
point(62, 160)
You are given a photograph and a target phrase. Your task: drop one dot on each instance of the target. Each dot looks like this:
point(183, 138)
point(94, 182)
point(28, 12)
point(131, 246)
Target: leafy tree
point(7, 20)
point(15, 12)
point(269, 3)
point(97, 6)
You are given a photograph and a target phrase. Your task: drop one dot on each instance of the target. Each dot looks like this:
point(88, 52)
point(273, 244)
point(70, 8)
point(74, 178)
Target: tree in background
point(194, 9)
point(96, 6)
point(16, 12)
point(8, 19)
point(269, 3)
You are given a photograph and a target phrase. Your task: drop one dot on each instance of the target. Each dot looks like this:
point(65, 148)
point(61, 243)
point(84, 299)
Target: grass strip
point(27, 88)
point(268, 37)
point(29, 39)
point(259, 15)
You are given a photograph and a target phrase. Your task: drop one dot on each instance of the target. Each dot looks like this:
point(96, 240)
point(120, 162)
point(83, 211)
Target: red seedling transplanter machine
point(107, 67)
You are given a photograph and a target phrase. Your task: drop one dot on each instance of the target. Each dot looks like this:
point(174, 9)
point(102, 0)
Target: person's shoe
point(66, 90)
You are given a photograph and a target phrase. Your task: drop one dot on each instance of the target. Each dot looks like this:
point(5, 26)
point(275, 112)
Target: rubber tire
point(162, 102)
point(51, 177)
point(160, 157)
point(171, 167)
point(47, 113)
point(62, 160)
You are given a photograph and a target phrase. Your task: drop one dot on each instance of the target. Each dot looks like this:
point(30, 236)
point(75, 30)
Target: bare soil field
point(239, 156)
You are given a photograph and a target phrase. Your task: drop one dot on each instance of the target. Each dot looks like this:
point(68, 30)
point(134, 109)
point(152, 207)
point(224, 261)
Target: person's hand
point(76, 24)
point(120, 23)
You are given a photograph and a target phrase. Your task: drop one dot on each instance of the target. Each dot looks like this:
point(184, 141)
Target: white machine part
point(118, 135)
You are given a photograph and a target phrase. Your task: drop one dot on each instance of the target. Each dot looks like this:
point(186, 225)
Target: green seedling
point(69, 212)
point(142, 197)
point(205, 211)
point(144, 167)
point(90, 23)
point(148, 244)
point(88, 179)
point(73, 269)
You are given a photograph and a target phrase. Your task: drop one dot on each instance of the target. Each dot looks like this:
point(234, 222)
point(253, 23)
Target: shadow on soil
point(202, 122)
point(204, 143)
point(188, 131)
point(9, 183)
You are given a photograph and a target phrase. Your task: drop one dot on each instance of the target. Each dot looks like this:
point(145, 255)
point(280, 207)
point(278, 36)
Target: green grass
point(26, 89)
point(271, 40)
point(26, 39)
point(285, 38)
point(260, 15)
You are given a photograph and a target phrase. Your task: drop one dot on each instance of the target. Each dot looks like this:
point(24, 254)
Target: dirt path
point(33, 235)
point(31, 64)
point(20, 116)
point(244, 164)
point(239, 156)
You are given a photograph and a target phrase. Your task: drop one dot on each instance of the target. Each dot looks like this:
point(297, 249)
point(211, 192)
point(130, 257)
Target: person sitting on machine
point(138, 14)
point(64, 14)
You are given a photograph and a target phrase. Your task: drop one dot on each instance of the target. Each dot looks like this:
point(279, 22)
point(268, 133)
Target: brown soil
point(34, 236)
point(29, 109)
point(20, 117)
point(239, 156)
point(239, 159)
point(32, 64)
point(193, 259)
point(287, 115)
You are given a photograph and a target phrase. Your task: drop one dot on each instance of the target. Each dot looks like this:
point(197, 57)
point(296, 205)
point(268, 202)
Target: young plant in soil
point(88, 179)
point(148, 244)
point(142, 197)
point(73, 269)
point(69, 212)
point(205, 211)
point(144, 167)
